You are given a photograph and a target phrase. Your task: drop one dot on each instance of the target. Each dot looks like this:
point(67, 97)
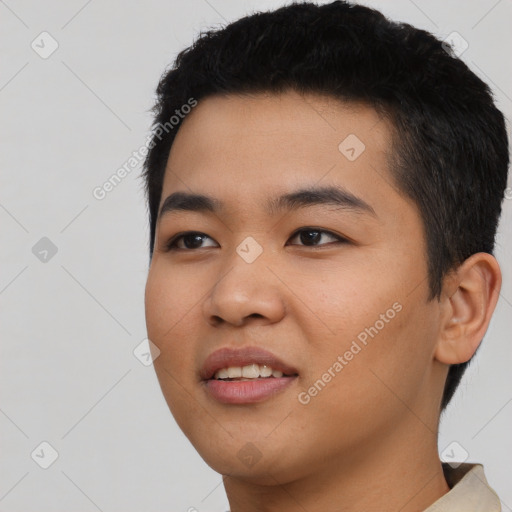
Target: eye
point(310, 236)
point(191, 240)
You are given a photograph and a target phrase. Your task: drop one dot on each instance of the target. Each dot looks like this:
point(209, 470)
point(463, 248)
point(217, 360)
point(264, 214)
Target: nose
point(245, 292)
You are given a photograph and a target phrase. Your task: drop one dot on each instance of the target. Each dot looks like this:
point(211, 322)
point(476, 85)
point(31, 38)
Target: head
point(323, 96)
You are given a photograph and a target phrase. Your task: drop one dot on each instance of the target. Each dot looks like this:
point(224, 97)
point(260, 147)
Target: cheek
point(377, 328)
point(169, 306)
point(395, 357)
point(345, 305)
point(157, 303)
point(169, 298)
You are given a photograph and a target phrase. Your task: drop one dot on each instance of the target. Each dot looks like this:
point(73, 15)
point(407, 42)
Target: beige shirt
point(469, 491)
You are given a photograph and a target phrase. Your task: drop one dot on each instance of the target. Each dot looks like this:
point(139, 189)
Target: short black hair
point(450, 145)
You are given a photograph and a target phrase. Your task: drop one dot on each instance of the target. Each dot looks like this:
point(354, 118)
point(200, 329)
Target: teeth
point(234, 372)
point(251, 371)
point(265, 371)
point(222, 374)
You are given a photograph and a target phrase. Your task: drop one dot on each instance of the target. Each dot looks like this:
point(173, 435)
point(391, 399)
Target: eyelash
point(171, 244)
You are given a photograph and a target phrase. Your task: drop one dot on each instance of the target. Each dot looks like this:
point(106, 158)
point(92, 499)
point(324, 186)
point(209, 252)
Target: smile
point(249, 372)
point(245, 375)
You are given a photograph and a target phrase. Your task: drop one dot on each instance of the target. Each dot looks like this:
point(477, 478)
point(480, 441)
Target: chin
point(252, 458)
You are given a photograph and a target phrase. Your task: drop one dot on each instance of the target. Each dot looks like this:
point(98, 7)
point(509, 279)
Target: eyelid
point(339, 238)
point(168, 246)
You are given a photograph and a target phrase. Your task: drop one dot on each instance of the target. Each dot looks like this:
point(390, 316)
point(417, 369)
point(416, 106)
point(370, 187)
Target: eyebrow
point(302, 198)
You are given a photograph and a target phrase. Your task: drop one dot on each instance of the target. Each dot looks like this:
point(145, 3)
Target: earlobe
point(469, 298)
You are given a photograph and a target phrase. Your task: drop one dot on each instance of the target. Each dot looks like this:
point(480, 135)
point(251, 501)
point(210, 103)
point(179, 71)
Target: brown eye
point(309, 237)
point(191, 240)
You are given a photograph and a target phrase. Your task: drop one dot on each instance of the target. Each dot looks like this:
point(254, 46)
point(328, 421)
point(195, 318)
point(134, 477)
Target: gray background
point(70, 323)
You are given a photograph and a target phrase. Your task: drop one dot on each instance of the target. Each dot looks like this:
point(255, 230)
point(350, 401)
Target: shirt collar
point(469, 490)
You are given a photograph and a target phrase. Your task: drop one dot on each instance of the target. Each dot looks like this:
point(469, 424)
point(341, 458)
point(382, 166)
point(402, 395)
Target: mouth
point(244, 376)
point(248, 372)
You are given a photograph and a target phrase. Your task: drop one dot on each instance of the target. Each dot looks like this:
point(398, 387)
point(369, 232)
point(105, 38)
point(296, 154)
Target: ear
point(468, 299)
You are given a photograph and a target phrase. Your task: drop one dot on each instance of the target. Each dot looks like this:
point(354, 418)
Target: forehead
point(247, 147)
point(287, 119)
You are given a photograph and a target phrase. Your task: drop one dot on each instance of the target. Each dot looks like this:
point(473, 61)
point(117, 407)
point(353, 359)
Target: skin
point(372, 430)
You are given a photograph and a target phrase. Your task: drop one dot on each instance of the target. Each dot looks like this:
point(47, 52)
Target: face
point(328, 286)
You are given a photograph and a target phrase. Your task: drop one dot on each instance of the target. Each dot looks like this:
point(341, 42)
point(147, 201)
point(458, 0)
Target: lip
point(248, 391)
point(225, 357)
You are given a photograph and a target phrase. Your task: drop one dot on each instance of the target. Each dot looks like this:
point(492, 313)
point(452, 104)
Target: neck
point(401, 472)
